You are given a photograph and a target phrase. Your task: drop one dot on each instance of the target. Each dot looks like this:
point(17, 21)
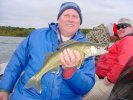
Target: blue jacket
point(29, 57)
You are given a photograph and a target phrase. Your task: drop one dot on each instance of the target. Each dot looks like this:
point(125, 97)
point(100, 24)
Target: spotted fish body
point(99, 34)
point(86, 49)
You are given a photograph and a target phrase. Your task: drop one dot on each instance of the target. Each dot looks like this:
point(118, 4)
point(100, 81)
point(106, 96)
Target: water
point(8, 46)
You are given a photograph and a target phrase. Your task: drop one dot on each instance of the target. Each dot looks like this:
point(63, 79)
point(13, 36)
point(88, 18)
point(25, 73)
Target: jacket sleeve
point(107, 61)
point(15, 67)
point(125, 51)
point(102, 66)
point(84, 78)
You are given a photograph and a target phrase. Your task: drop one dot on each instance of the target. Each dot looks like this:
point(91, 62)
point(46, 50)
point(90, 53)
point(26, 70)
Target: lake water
point(8, 46)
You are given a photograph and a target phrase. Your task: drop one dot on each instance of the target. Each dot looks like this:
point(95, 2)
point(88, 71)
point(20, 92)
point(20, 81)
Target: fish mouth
point(102, 51)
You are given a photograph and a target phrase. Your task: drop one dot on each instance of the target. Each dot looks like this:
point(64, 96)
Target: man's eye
point(66, 15)
point(75, 16)
point(98, 47)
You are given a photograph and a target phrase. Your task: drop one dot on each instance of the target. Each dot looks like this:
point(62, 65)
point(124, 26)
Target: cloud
point(38, 13)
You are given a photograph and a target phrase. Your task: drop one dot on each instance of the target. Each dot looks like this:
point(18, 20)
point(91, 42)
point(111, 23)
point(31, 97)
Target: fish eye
point(98, 47)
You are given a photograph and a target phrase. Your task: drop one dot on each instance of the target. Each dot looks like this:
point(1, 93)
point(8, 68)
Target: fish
point(86, 49)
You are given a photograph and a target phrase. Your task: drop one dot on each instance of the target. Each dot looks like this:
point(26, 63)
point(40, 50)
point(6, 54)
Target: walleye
point(86, 49)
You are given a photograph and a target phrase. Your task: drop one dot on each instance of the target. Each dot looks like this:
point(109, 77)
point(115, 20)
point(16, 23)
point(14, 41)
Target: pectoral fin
point(55, 70)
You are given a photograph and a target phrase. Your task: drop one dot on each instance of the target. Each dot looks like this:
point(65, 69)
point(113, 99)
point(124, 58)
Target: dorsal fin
point(66, 43)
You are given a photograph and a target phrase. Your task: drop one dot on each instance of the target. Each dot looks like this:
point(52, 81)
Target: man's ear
point(132, 28)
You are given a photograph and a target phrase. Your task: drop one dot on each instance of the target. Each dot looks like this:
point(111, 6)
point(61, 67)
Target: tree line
point(14, 31)
point(21, 32)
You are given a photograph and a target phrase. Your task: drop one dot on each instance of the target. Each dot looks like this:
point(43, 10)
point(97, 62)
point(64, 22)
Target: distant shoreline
point(14, 31)
point(22, 32)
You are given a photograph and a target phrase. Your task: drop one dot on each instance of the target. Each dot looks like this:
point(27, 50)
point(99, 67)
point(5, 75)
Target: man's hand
point(106, 82)
point(70, 58)
point(3, 96)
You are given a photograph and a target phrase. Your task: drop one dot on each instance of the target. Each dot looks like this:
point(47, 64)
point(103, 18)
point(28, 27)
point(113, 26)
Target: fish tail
point(35, 83)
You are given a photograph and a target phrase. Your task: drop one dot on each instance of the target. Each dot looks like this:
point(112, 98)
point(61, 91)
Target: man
point(70, 83)
point(110, 65)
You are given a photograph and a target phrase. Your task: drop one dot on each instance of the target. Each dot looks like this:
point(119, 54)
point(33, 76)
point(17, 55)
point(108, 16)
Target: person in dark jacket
point(70, 82)
point(123, 88)
point(110, 65)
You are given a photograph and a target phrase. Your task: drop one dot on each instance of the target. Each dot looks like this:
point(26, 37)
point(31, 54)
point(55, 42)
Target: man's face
point(124, 29)
point(69, 22)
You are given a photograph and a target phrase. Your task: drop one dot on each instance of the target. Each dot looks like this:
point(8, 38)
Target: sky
point(38, 13)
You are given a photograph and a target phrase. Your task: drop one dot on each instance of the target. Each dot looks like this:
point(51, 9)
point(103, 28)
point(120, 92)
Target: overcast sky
point(38, 13)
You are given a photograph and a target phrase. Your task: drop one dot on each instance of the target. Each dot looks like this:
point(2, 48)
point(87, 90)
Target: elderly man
point(70, 83)
point(110, 65)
